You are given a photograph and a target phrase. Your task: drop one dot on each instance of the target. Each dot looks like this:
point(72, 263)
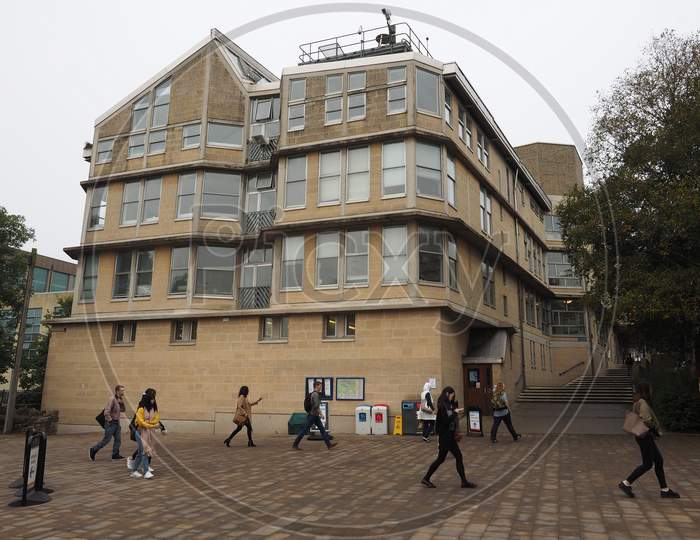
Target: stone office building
point(362, 219)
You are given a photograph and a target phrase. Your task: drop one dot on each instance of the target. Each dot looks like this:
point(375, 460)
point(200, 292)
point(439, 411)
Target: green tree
point(14, 233)
point(634, 232)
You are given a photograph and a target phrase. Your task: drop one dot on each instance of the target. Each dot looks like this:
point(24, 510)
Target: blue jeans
point(142, 460)
point(113, 429)
point(310, 421)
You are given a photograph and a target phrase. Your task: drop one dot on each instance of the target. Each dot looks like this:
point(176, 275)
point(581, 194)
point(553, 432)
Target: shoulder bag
point(634, 425)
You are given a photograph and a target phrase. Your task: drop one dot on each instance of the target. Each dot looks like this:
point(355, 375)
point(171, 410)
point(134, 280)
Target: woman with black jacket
point(446, 426)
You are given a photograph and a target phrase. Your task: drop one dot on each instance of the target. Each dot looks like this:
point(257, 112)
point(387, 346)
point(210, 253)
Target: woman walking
point(651, 456)
point(501, 412)
point(244, 410)
point(448, 435)
point(146, 420)
point(426, 413)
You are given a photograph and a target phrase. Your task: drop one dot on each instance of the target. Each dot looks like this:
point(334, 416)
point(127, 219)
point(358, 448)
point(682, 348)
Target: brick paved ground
point(365, 487)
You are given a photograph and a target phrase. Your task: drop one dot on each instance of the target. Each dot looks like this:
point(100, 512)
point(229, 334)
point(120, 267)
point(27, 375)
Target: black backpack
point(308, 404)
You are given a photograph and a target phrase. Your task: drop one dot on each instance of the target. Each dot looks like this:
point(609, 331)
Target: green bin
point(296, 423)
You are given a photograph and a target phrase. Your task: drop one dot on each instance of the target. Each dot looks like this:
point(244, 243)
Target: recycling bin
point(380, 419)
point(409, 417)
point(296, 422)
point(363, 420)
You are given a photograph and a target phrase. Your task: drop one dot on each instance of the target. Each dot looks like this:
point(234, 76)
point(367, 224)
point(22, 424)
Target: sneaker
point(136, 474)
point(468, 484)
point(150, 470)
point(92, 453)
point(670, 494)
point(130, 464)
point(331, 445)
point(427, 483)
point(118, 457)
point(627, 490)
point(517, 437)
point(148, 475)
point(295, 447)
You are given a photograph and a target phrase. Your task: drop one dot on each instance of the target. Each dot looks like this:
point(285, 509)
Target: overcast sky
point(65, 63)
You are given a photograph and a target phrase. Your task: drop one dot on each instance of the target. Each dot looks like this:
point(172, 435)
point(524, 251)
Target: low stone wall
point(46, 421)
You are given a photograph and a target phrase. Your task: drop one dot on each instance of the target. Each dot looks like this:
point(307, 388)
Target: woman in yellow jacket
point(146, 420)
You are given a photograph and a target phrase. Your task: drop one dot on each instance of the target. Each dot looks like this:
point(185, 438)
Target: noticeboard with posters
point(326, 386)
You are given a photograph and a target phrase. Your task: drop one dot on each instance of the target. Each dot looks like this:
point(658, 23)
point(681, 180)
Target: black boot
point(227, 442)
point(251, 444)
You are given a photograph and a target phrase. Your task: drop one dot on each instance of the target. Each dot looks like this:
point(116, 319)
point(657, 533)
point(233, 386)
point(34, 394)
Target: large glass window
point(357, 257)
point(221, 194)
point(215, 267)
point(396, 99)
point(297, 89)
point(90, 264)
point(485, 210)
point(151, 200)
point(552, 227)
point(224, 135)
point(296, 114)
point(130, 203)
point(334, 84)
point(451, 181)
point(122, 275)
point(334, 110)
point(32, 327)
point(428, 174)
point(144, 273)
point(137, 145)
point(296, 182)
point(560, 273)
point(358, 174)
point(357, 106)
point(393, 169)
point(139, 115)
point(179, 270)
point(427, 91)
point(60, 281)
point(327, 254)
point(452, 261)
point(191, 136)
point(395, 254)
point(104, 151)
point(293, 262)
point(257, 268)
point(98, 207)
point(482, 149)
point(186, 186)
point(329, 178)
point(156, 141)
point(489, 284)
point(40, 279)
point(430, 254)
point(161, 104)
point(568, 318)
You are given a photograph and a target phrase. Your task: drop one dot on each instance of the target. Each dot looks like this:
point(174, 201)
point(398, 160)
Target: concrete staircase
point(587, 405)
point(612, 386)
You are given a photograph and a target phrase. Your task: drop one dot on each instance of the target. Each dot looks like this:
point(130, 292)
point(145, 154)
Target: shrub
point(676, 400)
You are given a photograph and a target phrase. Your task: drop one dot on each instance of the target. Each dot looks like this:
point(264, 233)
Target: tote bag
point(634, 425)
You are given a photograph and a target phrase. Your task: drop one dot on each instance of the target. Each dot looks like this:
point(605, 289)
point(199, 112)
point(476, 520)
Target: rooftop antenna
point(390, 38)
point(427, 43)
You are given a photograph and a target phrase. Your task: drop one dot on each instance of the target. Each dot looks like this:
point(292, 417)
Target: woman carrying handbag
point(426, 413)
point(244, 410)
point(447, 427)
point(643, 424)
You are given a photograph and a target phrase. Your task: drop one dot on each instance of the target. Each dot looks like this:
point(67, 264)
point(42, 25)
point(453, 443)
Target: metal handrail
point(312, 51)
point(572, 367)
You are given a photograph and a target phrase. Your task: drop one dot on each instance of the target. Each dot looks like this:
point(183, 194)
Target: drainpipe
point(522, 334)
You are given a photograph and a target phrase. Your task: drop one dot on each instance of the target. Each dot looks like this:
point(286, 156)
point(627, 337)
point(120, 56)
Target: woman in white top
point(427, 412)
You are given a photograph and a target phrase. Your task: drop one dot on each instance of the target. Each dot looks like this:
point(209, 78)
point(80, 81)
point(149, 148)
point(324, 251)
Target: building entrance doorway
point(478, 381)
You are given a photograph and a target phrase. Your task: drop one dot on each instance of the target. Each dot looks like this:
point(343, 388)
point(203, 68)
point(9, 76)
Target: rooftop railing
point(398, 37)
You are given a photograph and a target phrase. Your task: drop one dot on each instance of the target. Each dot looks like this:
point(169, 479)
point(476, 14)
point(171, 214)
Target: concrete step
point(588, 418)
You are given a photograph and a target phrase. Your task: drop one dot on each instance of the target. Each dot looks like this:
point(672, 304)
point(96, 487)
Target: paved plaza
point(541, 487)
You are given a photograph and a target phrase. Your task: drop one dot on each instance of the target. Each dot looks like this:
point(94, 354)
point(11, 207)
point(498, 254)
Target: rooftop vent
point(87, 152)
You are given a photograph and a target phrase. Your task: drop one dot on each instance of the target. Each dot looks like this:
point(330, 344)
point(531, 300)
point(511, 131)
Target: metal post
point(14, 380)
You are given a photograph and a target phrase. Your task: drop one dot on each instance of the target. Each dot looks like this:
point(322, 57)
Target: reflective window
point(221, 194)
point(426, 91)
point(393, 169)
point(215, 269)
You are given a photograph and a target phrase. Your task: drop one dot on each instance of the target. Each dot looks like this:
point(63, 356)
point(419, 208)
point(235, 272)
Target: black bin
point(409, 417)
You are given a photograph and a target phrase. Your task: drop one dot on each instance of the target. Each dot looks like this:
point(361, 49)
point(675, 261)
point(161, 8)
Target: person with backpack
point(501, 412)
point(426, 413)
point(447, 427)
point(244, 410)
point(314, 416)
point(651, 455)
point(131, 461)
point(146, 419)
point(109, 418)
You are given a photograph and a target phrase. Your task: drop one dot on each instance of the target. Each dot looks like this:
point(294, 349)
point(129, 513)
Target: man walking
point(113, 410)
point(312, 404)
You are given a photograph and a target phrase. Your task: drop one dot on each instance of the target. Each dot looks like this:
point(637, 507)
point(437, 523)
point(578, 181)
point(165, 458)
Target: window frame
point(179, 196)
point(291, 98)
point(189, 329)
point(125, 202)
point(318, 284)
point(304, 181)
point(174, 269)
point(435, 233)
point(339, 109)
point(231, 146)
point(157, 105)
point(126, 341)
point(485, 211)
point(94, 259)
point(429, 112)
point(482, 149)
point(329, 178)
point(144, 200)
point(350, 107)
point(448, 108)
point(389, 99)
point(185, 137)
point(401, 255)
point(236, 215)
point(434, 148)
point(279, 325)
point(109, 141)
point(356, 255)
point(141, 145)
point(451, 166)
point(231, 269)
point(349, 175)
point(290, 118)
point(488, 282)
point(153, 132)
point(283, 272)
point(385, 168)
point(342, 325)
point(102, 214)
